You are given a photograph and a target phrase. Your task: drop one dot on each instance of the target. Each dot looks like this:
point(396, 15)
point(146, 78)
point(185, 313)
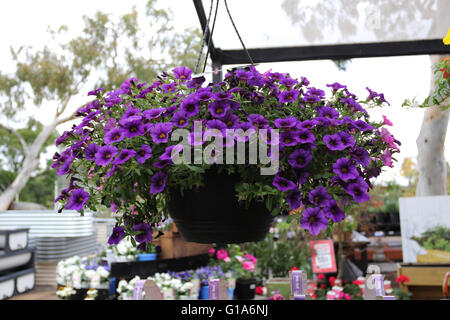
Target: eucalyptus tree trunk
point(432, 166)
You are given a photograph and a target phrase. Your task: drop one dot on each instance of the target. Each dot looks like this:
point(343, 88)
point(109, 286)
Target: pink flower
point(386, 121)
point(347, 297)
point(386, 158)
point(212, 251)
point(113, 207)
point(387, 137)
point(227, 259)
point(248, 265)
point(250, 257)
point(222, 254)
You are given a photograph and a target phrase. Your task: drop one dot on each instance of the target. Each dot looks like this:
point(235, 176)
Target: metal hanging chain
point(204, 36)
point(210, 36)
point(240, 39)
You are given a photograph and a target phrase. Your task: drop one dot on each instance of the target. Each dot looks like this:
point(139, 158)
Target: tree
point(432, 179)
point(106, 53)
point(409, 171)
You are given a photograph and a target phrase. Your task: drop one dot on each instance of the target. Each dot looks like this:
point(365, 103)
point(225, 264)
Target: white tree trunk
point(430, 143)
point(30, 163)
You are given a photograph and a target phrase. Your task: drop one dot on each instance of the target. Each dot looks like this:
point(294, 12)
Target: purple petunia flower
point(182, 73)
point(257, 97)
point(360, 156)
point(221, 96)
point(77, 200)
point(231, 120)
point(288, 96)
point(65, 168)
point(163, 163)
point(143, 153)
point(216, 124)
point(288, 139)
point(180, 119)
point(94, 92)
point(328, 112)
point(320, 196)
point(160, 132)
point(358, 192)
point(345, 169)
point(111, 171)
point(314, 220)
point(158, 183)
point(110, 124)
point(195, 82)
point(305, 136)
point(353, 105)
point(130, 112)
point(124, 156)
point(288, 122)
point(307, 124)
point(132, 126)
point(114, 135)
point(90, 151)
point(294, 199)
point(258, 121)
point(190, 105)
point(219, 108)
point(247, 131)
point(346, 139)
point(105, 155)
point(283, 184)
point(334, 212)
point(288, 82)
point(362, 125)
point(169, 87)
point(334, 142)
point(116, 236)
point(311, 99)
point(204, 95)
point(301, 174)
point(167, 155)
point(300, 158)
point(336, 86)
point(145, 232)
point(153, 113)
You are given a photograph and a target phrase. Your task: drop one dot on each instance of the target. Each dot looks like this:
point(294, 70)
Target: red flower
point(259, 290)
point(358, 282)
point(447, 61)
point(332, 281)
point(321, 276)
point(402, 279)
point(322, 286)
point(294, 268)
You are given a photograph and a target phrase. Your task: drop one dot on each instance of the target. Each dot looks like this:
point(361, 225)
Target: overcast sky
point(25, 22)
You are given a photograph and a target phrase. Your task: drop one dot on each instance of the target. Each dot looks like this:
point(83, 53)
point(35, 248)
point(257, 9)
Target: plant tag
point(138, 288)
point(231, 283)
point(152, 291)
point(298, 279)
point(214, 289)
point(374, 284)
point(389, 298)
point(298, 297)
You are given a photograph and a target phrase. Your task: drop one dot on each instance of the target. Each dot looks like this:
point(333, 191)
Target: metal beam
point(334, 52)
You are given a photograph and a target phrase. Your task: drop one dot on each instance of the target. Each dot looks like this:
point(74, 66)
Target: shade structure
point(293, 30)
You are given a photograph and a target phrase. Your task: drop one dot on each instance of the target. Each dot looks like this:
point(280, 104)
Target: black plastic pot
point(212, 213)
point(245, 289)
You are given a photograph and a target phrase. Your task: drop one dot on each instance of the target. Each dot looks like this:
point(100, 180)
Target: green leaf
point(196, 169)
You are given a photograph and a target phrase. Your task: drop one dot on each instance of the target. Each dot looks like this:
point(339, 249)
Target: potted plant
point(148, 251)
point(242, 265)
point(223, 159)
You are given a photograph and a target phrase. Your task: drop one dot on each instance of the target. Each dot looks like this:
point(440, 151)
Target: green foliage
point(280, 251)
point(40, 188)
point(436, 238)
point(441, 72)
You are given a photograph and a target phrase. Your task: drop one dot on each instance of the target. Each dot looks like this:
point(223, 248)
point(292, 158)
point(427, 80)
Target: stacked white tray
point(56, 236)
point(17, 273)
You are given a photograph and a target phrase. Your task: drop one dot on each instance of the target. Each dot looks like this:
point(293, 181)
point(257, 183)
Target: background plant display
point(235, 261)
point(121, 154)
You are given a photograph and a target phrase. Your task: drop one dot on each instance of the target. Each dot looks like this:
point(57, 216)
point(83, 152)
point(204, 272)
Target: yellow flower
point(446, 40)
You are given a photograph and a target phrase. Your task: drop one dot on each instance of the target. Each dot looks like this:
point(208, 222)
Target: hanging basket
point(212, 213)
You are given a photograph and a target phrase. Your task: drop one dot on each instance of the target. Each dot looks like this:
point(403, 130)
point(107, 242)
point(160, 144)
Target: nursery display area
point(204, 167)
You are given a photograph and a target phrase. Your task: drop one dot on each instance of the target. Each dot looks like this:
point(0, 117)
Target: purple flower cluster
point(122, 148)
